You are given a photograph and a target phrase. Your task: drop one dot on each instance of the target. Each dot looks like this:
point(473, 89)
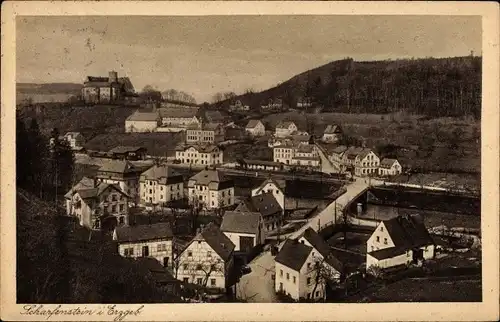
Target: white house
point(238, 106)
point(160, 185)
point(336, 157)
point(285, 128)
point(95, 203)
point(332, 133)
point(304, 102)
point(305, 266)
point(401, 240)
point(276, 187)
point(206, 260)
point(142, 122)
point(255, 128)
point(211, 189)
point(284, 153)
point(175, 119)
point(146, 241)
point(363, 160)
point(205, 133)
point(389, 167)
point(306, 156)
point(207, 154)
point(75, 140)
point(244, 229)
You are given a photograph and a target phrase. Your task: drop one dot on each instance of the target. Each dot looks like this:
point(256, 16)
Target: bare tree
point(323, 274)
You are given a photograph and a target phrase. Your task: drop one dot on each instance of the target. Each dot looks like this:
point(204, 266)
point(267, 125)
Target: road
point(326, 165)
point(258, 286)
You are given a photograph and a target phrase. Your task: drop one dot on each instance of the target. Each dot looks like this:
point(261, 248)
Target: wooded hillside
point(429, 86)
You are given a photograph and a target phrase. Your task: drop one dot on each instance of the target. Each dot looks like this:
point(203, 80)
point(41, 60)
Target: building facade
point(276, 187)
point(141, 122)
point(123, 173)
point(106, 90)
point(284, 129)
point(174, 119)
point(389, 167)
point(208, 155)
point(244, 229)
point(255, 128)
point(204, 134)
point(332, 133)
point(159, 185)
point(209, 189)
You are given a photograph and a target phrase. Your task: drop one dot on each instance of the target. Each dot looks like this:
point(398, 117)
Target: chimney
point(113, 77)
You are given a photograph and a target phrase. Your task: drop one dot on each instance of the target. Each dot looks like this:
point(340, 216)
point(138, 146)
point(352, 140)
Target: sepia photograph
point(247, 158)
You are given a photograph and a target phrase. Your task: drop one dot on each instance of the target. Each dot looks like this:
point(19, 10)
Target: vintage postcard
point(271, 161)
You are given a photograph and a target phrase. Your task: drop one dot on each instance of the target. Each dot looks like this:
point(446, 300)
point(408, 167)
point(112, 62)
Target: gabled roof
point(253, 123)
point(162, 174)
point(144, 116)
point(387, 252)
point(203, 148)
point(117, 166)
point(364, 152)
point(264, 203)
point(339, 149)
point(216, 239)
point(293, 254)
point(408, 231)
point(83, 184)
point(73, 134)
point(332, 129)
point(284, 124)
point(125, 149)
point(240, 222)
point(278, 183)
point(178, 112)
point(159, 273)
point(352, 152)
point(305, 149)
point(322, 247)
point(387, 163)
point(95, 192)
point(214, 179)
point(139, 233)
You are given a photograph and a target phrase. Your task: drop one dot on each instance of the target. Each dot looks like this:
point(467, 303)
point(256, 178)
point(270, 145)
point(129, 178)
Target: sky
point(202, 55)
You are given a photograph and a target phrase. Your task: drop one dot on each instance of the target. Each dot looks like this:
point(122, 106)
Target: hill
point(46, 93)
point(57, 263)
point(428, 86)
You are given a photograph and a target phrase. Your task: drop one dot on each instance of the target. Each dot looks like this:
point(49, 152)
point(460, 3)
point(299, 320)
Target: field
point(439, 144)
point(247, 151)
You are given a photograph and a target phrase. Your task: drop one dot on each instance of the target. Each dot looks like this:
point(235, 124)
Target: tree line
point(150, 93)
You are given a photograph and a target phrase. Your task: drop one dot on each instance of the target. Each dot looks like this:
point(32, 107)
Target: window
point(165, 261)
point(185, 266)
point(317, 293)
point(209, 254)
point(198, 267)
point(121, 220)
point(308, 295)
point(378, 238)
point(212, 282)
point(113, 197)
point(381, 228)
point(308, 281)
point(281, 272)
point(294, 279)
point(162, 247)
point(308, 265)
point(113, 208)
point(199, 281)
point(121, 208)
point(385, 241)
point(128, 252)
point(190, 254)
point(185, 279)
point(161, 188)
point(287, 276)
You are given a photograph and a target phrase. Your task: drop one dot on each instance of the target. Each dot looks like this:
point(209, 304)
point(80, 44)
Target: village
point(299, 225)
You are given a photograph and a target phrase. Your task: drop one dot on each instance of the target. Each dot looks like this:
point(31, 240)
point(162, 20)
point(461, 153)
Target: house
point(159, 185)
point(214, 116)
point(141, 121)
point(159, 274)
point(275, 186)
point(153, 241)
point(106, 90)
point(255, 128)
point(244, 229)
point(210, 189)
point(198, 154)
point(238, 106)
point(304, 102)
point(401, 240)
point(332, 133)
point(389, 167)
point(75, 140)
point(132, 153)
point(284, 153)
point(207, 260)
point(273, 104)
point(363, 160)
point(267, 206)
point(284, 129)
point(261, 165)
point(305, 266)
point(177, 119)
point(97, 205)
point(123, 173)
point(205, 133)
point(306, 156)
point(336, 156)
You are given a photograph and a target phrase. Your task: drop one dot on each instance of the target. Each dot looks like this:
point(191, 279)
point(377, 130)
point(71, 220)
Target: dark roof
point(284, 124)
point(214, 179)
point(332, 129)
point(95, 192)
point(216, 239)
point(117, 166)
point(408, 231)
point(125, 149)
point(143, 232)
point(339, 149)
point(240, 222)
point(387, 252)
point(264, 203)
point(293, 254)
point(159, 273)
point(387, 163)
point(322, 247)
point(162, 174)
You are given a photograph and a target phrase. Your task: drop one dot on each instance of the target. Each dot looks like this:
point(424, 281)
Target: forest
point(434, 87)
